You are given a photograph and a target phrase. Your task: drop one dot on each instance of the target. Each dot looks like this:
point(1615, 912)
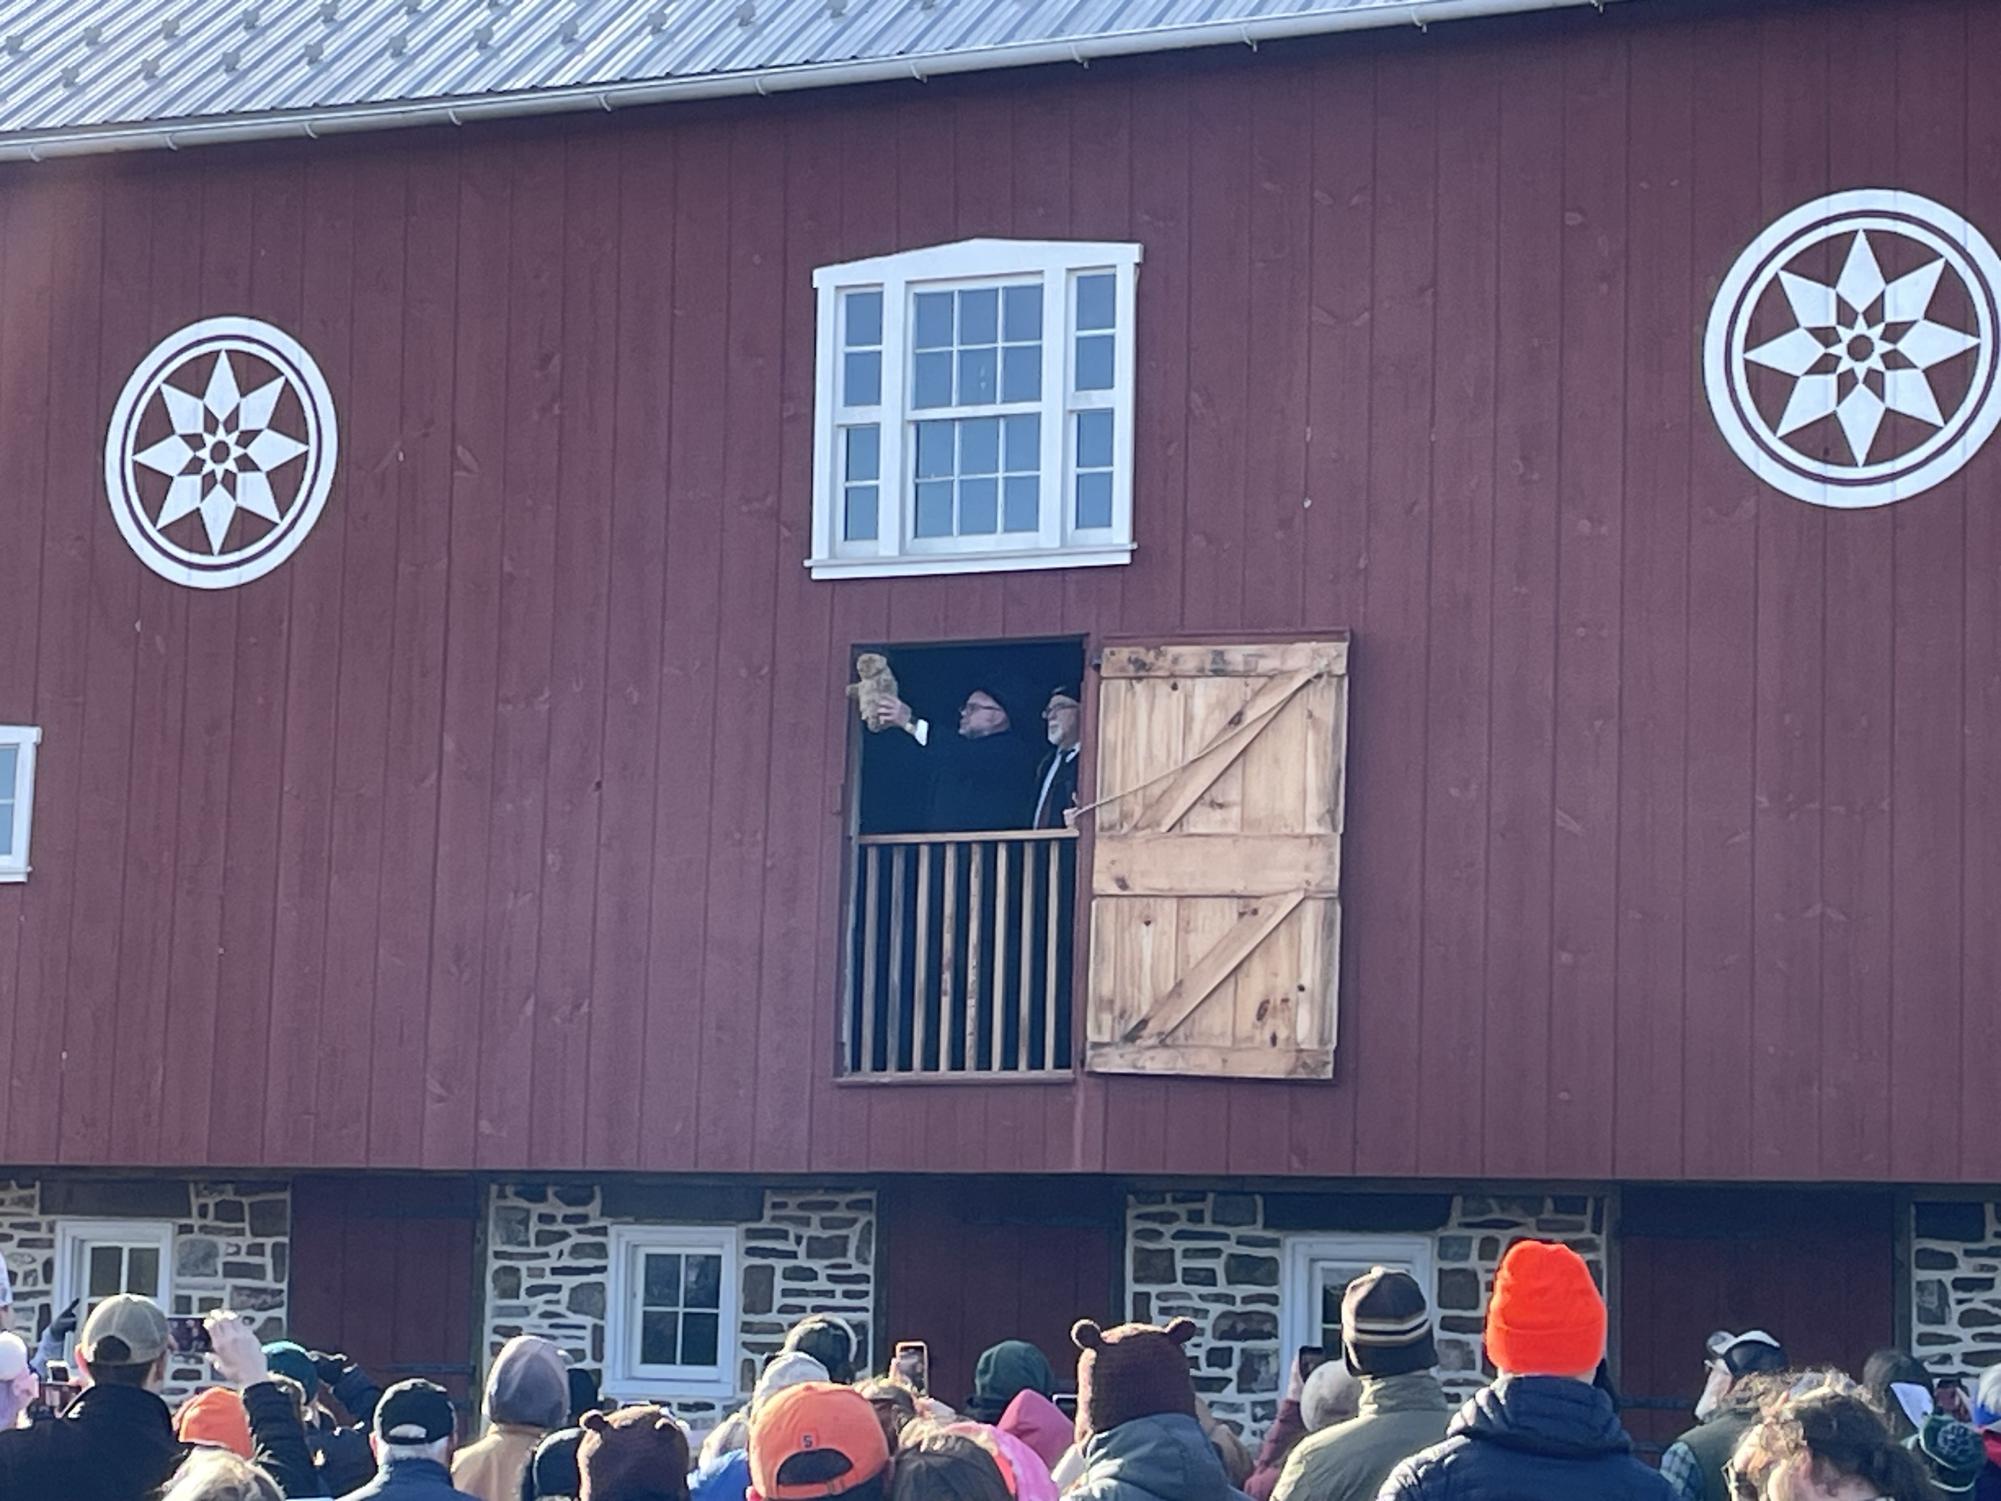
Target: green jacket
point(1399, 1416)
point(1711, 1444)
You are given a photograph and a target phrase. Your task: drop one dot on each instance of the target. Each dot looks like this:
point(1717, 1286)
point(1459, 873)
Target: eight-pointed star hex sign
point(221, 452)
point(1850, 358)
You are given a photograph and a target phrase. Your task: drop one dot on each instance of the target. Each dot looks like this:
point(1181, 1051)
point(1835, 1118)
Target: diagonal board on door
point(1215, 910)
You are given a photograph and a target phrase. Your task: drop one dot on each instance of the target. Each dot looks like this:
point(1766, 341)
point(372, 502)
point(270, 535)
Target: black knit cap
point(1386, 1325)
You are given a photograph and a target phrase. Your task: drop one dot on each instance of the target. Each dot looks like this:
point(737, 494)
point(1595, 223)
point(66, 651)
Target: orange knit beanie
point(215, 1417)
point(1546, 1317)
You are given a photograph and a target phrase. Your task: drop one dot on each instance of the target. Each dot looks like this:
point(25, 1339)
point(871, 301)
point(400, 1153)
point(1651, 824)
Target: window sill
point(641, 1390)
point(9, 877)
point(918, 564)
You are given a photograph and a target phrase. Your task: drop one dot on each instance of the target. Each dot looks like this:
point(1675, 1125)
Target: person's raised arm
point(277, 1436)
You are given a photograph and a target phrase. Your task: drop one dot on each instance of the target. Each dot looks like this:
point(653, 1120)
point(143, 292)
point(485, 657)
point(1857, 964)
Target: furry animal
point(873, 688)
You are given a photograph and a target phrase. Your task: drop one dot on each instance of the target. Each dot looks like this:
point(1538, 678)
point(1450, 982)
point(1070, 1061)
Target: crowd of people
point(285, 1423)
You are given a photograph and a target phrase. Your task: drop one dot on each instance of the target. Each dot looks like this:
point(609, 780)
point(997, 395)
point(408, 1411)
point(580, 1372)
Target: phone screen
point(1311, 1358)
point(189, 1336)
point(912, 1365)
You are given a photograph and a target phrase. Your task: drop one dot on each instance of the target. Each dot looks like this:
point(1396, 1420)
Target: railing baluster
point(976, 907)
point(920, 990)
point(1051, 944)
point(1025, 982)
point(948, 949)
point(872, 869)
point(899, 868)
point(997, 994)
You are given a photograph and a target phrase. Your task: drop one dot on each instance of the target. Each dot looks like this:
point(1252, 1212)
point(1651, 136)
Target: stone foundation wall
point(549, 1265)
point(1209, 1257)
point(232, 1251)
point(1956, 1286)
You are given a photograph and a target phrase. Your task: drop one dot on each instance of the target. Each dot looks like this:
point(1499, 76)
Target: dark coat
point(1163, 1458)
point(410, 1480)
point(342, 1453)
point(1047, 812)
point(115, 1443)
point(1530, 1438)
point(988, 783)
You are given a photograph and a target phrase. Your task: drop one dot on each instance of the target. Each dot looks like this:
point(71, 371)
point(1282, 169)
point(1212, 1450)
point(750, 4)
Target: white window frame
point(1299, 1313)
point(624, 1377)
point(1058, 543)
point(24, 738)
point(74, 1237)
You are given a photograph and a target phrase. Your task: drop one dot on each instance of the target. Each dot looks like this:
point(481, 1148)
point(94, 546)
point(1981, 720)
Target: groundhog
point(873, 688)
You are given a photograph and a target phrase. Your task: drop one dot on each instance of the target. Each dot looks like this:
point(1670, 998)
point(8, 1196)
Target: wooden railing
point(959, 953)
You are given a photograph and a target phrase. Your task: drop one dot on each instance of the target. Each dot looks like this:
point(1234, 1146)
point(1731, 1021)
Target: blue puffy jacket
point(1530, 1438)
point(1161, 1458)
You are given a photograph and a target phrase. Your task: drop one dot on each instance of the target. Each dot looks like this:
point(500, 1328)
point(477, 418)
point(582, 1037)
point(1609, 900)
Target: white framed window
point(973, 409)
point(671, 1324)
point(17, 797)
point(1318, 1269)
point(97, 1259)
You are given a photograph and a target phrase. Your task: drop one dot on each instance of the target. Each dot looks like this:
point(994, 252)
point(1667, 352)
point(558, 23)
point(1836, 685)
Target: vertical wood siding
point(503, 827)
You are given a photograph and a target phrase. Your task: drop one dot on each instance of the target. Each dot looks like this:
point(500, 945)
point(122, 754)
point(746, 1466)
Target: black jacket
point(410, 1480)
point(342, 1453)
point(1530, 1438)
point(1047, 812)
point(116, 1443)
point(981, 784)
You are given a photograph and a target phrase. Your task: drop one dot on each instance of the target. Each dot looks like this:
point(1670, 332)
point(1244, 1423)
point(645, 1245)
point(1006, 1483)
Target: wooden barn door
point(384, 1268)
point(1215, 893)
point(1815, 1269)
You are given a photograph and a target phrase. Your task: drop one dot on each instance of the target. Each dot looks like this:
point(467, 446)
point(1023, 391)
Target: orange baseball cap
point(812, 1440)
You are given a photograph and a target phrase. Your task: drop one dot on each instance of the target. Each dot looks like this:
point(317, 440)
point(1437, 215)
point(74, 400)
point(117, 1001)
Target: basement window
point(671, 1325)
point(973, 409)
point(17, 797)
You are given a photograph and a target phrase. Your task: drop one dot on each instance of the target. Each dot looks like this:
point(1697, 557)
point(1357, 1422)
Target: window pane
point(662, 1281)
point(932, 386)
point(979, 445)
point(934, 509)
point(10, 767)
point(1094, 499)
point(1023, 313)
point(858, 525)
point(704, 1285)
point(934, 450)
point(1024, 444)
point(106, 1274)
point(977, 377)
point(861, 380)
point(864, 319)
point(979, 507)
point(659, 1339)
point(1023, 503)
point(1021, 372)
point(1094, 363)
point(1095, 300)
point(142, 1270)
point(934, 320)
point(701, 1339)
point(979, 316)
point(1094, 440)
point(865, 453)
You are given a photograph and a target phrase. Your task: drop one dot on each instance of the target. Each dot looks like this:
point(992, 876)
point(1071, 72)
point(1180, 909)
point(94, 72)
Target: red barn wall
point(502, 827)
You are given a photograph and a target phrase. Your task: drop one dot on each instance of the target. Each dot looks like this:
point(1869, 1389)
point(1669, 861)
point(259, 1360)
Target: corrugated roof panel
point(92, 65)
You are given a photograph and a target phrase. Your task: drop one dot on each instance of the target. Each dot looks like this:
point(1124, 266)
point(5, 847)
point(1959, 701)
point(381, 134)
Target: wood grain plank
point(1341, 184)
point(460, 968)
point(688, 690)
point(1786, 834)
point(745, 715)
point(1585, 926)
point(399, 1019)
point(1458, 670)
point(1928, 620)
point(1653, 701)
point(648, 167)
point(1722, 686)
point(1387, 908)
point(359, 221)
point(299, 953)
point(566, 979)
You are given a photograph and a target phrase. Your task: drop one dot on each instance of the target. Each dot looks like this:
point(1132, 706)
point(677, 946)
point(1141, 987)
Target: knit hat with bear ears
point(1133, 1371)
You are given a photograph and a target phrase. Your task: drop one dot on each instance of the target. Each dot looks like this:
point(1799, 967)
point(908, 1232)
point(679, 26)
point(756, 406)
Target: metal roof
point(94, 75)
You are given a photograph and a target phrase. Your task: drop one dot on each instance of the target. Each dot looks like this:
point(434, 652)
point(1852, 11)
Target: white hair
point(1988, 1393)
point(1331, 1396)
point(438, 1452)
point(218, 1475)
